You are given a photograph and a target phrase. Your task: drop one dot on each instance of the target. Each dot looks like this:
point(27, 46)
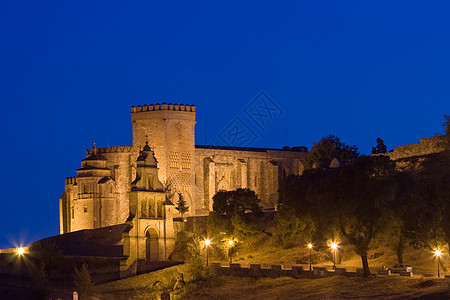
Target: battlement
point(71, 180)
point(163, 106)
point(116, 149)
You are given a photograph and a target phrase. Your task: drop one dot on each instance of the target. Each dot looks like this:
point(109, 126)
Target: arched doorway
point(151, 245)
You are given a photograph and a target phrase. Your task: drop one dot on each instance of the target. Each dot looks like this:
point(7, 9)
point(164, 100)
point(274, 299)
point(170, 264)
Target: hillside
point(336, 287)
point(263, 249)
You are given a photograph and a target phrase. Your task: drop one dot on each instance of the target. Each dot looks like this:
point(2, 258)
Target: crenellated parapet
point(163, 106)
point(116, 149)
point(71, 180)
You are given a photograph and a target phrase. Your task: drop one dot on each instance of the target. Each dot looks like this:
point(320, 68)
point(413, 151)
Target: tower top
point(163, 106)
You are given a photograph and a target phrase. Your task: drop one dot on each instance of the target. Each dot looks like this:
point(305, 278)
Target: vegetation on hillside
point(357, 200)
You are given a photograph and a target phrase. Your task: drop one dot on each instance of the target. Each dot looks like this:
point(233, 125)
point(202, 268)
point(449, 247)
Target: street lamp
point(438, 255)
point(207, 243)
point(334, 248)
point(20, 252)
point(230, 243)
point(310, 248)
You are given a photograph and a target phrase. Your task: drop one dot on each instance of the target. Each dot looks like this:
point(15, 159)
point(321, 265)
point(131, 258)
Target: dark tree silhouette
point(380, 148)
point(83, 281)
point(353, 201)
point(238, 212)
point(328, 148)
point(366, 192)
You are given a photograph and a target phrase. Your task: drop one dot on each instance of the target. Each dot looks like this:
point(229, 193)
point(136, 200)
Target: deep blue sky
point(70, 70)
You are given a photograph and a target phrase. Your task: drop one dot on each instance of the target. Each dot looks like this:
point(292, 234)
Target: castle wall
point(221, 168)
point(101, 194)
point(426, 146)
point(119, 161)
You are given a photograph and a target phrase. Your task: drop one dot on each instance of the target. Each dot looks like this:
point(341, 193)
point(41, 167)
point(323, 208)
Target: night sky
point(71, 70)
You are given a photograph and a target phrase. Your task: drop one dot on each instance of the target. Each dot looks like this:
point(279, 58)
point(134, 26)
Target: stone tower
point(170, 129)
point(94, 205)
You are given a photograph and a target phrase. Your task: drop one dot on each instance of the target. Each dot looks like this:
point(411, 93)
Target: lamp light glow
point(20, 251)
point(310, 257)
point(230, 242)
point(438, 253)
point(334, 247)
point(207, 243)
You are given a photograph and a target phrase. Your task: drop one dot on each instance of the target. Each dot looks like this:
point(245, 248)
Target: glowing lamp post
point(438, 255)
point(207, 243)
point(334, 248)
point(20, 252)
point(230, 243)
point(310, 248)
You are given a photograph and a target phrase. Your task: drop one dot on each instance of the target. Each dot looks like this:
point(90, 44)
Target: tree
point(400, 212)
point(235, 212)
point(291, 228)
point(83, 281)
point(366, 191)
point(446, 126)
point(422, 223)
point(380, 148)
point(181, 205)
point(328, 148)
point(353, 201)
point(308, 195)
point(240, 201)
point(168, 189)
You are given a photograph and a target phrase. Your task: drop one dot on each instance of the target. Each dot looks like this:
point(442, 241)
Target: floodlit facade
point(101, 192)
point(128, 184)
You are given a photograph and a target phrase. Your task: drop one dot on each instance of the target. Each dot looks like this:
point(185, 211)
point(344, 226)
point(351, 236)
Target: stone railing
point(274, 271)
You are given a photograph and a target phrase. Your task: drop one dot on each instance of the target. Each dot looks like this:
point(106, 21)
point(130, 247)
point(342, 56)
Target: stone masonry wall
point(426, 146)
point(169, 130)
point(218, 168)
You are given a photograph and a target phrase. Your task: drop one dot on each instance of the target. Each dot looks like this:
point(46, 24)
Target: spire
point(146, 147)
point(95, 149)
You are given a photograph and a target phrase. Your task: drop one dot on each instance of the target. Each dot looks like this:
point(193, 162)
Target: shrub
point(83, 281)
point(196, 263)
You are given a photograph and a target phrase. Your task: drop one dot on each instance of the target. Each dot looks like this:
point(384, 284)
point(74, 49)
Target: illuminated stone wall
point(170, 131)
point(426, 146)
point(198, 172)
point(221, 168)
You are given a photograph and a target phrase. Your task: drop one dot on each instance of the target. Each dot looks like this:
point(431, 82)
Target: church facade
point(112, 182)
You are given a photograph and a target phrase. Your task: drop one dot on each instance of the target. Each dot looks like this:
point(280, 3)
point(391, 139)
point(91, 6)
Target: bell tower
point(171, 130)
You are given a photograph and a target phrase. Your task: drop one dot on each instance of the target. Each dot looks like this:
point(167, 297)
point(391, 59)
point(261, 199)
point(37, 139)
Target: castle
point(129, 183)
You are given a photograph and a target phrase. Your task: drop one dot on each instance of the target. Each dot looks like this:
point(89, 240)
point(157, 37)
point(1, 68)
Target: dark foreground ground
point(337, 287)
point(334, 287)
point(227, 287)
